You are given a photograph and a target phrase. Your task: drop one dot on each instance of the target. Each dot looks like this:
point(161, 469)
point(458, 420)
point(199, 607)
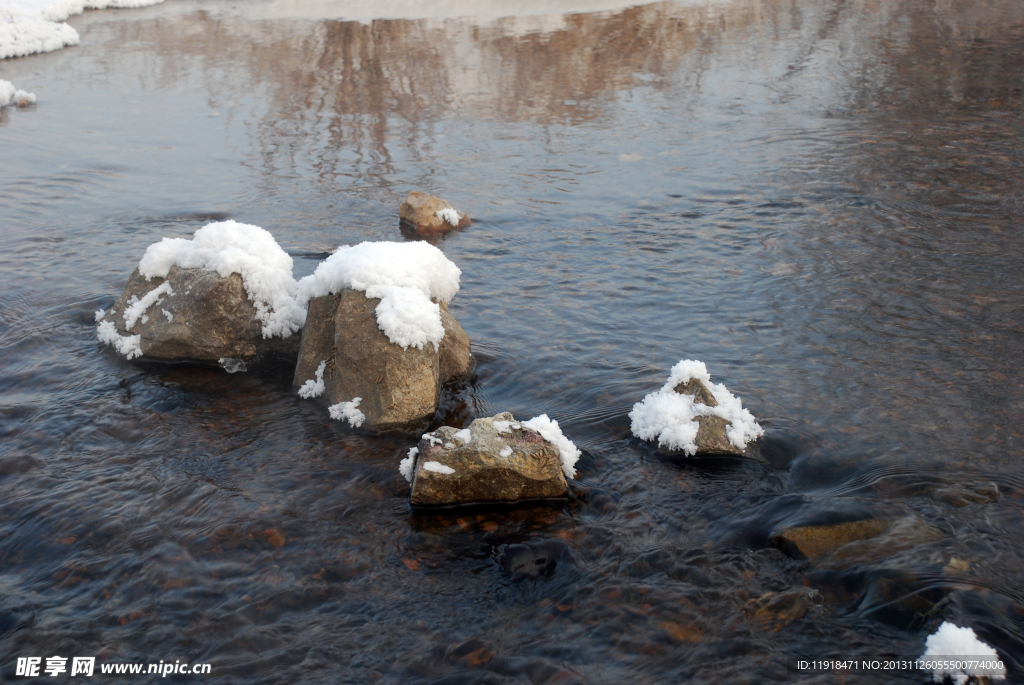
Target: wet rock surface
point(486, 463)
point(427, 214)
point(776, 610)
point(399, 386)
point(204, 318)
point(455, 356)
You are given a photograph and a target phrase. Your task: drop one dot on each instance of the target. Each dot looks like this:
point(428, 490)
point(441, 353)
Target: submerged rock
point(427, 214)
point(776, 610)
point(344, 349)
point(962, 494)
point(532, 559)
point(191, 315)
point(812, 542)
point(496, 459)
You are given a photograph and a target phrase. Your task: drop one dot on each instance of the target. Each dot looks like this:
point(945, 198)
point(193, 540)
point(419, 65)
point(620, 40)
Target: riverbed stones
point(776, 610)
point(205, 317)
point(496, 459)
point(813, 542)
point(398, 386)
point(711, 440)
point(429, 215)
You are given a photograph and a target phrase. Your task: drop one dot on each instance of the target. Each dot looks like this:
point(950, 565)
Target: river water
point(821, 200)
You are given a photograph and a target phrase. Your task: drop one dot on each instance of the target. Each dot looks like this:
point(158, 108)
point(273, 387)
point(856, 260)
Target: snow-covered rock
point(226, 294)
point(950, 649)
point(496, 459)
point(427, 214)
point(378, 322)
point(692, 416)
point(9, 95)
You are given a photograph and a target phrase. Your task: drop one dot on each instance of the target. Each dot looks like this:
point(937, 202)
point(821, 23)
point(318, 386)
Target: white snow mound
point(348, 411)
point(406, 277)
point(438, 467)
point(448, 214)
point(314, 388)
point(952, 643)
point(229, 247)
point(549, 430)
point(30, 26)
point(128, 345)
point(9, 95)
point(408, 465)
point(670, 418)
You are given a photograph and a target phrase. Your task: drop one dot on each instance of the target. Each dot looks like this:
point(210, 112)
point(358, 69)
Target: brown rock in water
point(905, 533)
point(812, 542)
point(398, 386)
point(212, 318)
point(711, 439)
point(455, 356)
point(776, 610)
point(962, 494)
point(419, 213)
point(531, 469)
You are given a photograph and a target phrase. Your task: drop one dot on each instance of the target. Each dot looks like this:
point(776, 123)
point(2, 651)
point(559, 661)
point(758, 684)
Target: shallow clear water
point(822, 201)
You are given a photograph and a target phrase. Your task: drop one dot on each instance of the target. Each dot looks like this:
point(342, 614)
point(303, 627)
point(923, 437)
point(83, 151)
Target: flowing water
point(821, 200)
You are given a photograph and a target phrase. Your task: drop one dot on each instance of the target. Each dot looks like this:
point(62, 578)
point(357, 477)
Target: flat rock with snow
point(191, 315)
point(427, 214)
point(496, 459)
point(226, 295)
point(691, 416)
point(378, 329)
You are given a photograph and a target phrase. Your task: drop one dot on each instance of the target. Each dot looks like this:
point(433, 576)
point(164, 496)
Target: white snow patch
point(128, 345)
point(506, 426)
point(505, 452)
point(464, 436)
point(432, 439)
point(170, 317)
point(30, 26)
point(348, 410)
point(448, 214)
point(950, 642)
point(550, 431)
point(314, 388)
point(9, 95)
point(100, 313)
point(229, 247)
point(138, 307)
point(438, 467)
point(449, 445)
point(408, 465)
point(406, 277)
point(670, 417)
point(232, 365)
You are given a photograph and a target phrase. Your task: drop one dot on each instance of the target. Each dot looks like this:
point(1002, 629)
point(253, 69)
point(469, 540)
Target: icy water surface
point(821, 200)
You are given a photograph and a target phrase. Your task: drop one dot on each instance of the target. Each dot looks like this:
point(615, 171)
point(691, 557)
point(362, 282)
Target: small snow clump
point(464, 436)
point(950, 642)
point(406, 277)
point(348, 411)
point(506, 426)
point(100, 313)
point(229, 247)
point(170, 317)
point(670, 417)
point(139, 307)
point(550, 431)
point(448, 214)
point(505, 452)
point(9, 95)
point(315, 388)
point(232, 365)
point(128, 345)
point(438, 467)
point(408, 465)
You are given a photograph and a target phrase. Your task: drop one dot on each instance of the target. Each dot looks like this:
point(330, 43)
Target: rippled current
point(822, 200)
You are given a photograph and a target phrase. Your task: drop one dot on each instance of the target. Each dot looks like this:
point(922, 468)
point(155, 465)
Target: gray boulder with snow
point(226, 296)
point(378, 334)
point(429, 215)
point(496, 459)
